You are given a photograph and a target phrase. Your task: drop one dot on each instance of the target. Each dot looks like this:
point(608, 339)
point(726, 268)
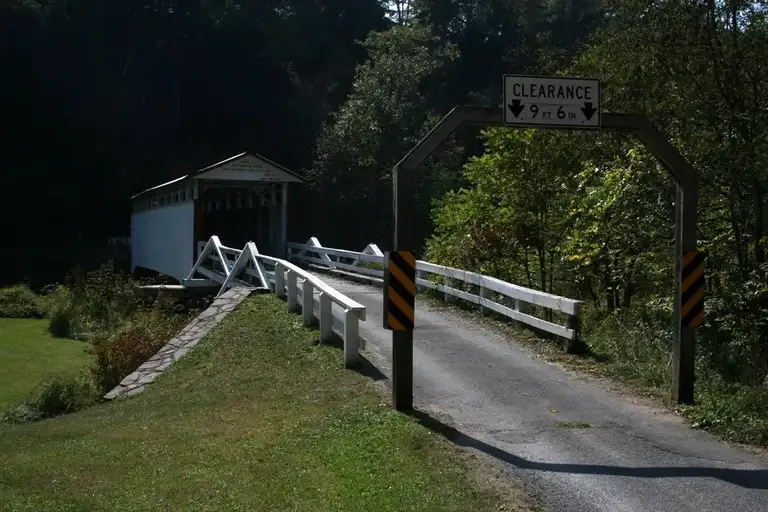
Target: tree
point(508, 36)
point(510, 222)
point(706, 90)
point(383, 116)
point(620, 230)
point(699, 69)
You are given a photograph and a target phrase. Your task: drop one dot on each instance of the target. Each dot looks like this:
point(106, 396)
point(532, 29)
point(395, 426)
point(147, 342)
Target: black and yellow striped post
point(692, 290)
point(399, 305)
point(399, 290)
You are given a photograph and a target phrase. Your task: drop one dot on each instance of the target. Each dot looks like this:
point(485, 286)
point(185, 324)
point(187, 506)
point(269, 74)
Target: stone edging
point(182, 343)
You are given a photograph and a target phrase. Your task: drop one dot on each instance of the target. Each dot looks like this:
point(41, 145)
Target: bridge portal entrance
point(238, 213)
point(242, 199)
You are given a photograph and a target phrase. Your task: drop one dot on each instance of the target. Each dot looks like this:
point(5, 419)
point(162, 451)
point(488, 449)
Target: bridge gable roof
point(245, 166)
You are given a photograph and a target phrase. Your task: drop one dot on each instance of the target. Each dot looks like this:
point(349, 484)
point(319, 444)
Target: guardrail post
point(326, 317)
point(279, 280)
point(485, 293)
point(351, 339)
point(447, 296)
point(307, 303)
point(314, 243)
point(420, 274)
point(522, 306)
point(293, 292)
point(575, 345)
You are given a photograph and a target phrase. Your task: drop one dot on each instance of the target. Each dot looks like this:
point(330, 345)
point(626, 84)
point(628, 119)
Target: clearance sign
point(554, 102)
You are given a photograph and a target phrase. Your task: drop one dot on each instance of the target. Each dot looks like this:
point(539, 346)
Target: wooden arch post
point(687, 315)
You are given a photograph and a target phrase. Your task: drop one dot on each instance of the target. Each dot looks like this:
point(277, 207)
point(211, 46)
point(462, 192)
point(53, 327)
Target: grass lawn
point(28, 353)
point(257, 418)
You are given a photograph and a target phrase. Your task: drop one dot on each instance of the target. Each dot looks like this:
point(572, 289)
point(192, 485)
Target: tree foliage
point(510, 220)
point(382, 118)
point(439, 55)
point(699, 70)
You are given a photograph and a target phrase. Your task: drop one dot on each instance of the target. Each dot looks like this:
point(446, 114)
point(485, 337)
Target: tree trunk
point(528, 269)
point(629, 290)
point(591, 290)
point(757, 228)
point(629, 287)
point(737, 235)
point(610, 298)
point(551, 270)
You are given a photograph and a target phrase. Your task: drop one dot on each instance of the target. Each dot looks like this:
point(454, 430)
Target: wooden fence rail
point(490, 296)
point(331, 309)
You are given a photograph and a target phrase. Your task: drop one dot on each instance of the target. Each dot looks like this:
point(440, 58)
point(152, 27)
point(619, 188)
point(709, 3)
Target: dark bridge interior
point(238, 214)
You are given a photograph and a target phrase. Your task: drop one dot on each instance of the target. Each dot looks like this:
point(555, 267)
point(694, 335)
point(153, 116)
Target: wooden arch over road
point(685, 232)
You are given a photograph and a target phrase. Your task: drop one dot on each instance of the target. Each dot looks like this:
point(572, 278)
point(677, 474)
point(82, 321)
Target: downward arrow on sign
point(588, 110)
point(516, 108)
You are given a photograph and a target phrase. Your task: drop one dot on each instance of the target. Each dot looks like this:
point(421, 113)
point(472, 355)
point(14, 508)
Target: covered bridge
point(243, 198)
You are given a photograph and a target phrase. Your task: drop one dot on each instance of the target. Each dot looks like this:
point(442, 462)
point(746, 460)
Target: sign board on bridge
point(551, 102)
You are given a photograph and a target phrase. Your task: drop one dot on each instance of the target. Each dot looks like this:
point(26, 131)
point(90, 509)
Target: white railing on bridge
point(491, 291)
point(331, 309)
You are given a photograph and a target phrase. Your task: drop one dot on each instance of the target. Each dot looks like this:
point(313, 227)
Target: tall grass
point(637, 345)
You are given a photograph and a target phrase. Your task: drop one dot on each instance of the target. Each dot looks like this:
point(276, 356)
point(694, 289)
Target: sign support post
point(570, 105)
point(402, 340)
point(689, 294)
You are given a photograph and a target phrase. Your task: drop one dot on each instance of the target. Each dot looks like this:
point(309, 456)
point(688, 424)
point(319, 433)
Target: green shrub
point(637, 341)
point(120, 354)
point(371, 264)
point(54, 396)
point(105, 297)
point(20, 302)
point(103, 307)
point(737, 412)
point(92, 304)
point(63, 320)
point(733, 338)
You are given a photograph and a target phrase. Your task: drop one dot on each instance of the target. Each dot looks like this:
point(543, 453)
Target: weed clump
point(20, 301)
point(54, 396)
point(92, 304)
point(117, 355)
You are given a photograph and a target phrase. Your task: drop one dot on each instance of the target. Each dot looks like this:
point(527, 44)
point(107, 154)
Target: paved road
point(501, 399)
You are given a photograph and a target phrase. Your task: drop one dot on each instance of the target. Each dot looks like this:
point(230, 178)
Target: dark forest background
point(103, 99)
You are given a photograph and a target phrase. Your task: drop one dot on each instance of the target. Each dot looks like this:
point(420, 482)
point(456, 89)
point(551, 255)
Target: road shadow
point(748, 478)
point(364, 366)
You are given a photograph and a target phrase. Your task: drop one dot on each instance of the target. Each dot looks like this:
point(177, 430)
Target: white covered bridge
point(240, 199)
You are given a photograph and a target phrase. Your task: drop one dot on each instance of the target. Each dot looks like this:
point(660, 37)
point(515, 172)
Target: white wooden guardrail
point(331, 309)
point(370, 262)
